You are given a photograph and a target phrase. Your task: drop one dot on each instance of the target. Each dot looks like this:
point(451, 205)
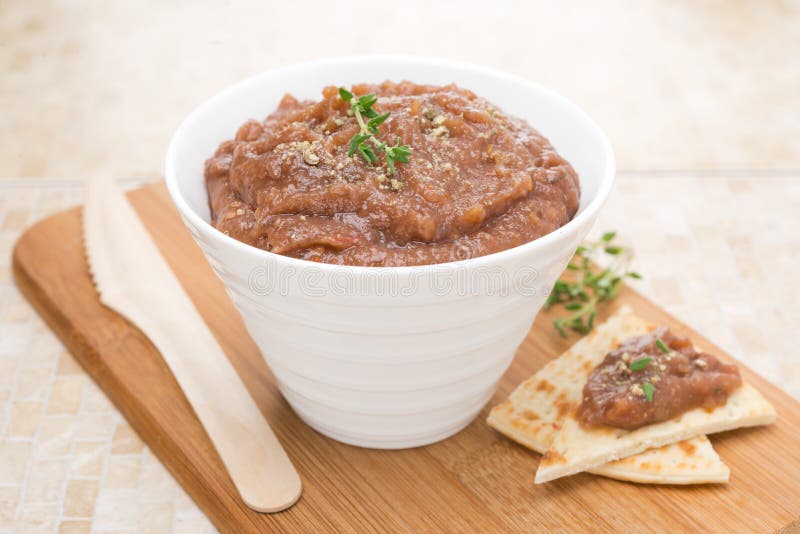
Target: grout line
point(108, 449)
point(710, 173)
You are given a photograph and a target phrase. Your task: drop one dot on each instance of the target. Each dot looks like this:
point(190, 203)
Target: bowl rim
point(604, 188)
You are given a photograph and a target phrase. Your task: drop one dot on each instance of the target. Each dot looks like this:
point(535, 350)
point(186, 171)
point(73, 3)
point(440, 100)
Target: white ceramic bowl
point(379, 356)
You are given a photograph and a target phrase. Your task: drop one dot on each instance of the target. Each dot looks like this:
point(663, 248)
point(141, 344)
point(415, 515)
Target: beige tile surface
point(70, 526)
point(94, 87)
point(123, 471)
point(155, 518)
point(88, 458)
point(700, 100)
point(66, 394)
point(14, 464)
point(126, 441)
point(80, 497)
point(9, 502)
point(24, 418)
point(45, 481)
point(36, 518)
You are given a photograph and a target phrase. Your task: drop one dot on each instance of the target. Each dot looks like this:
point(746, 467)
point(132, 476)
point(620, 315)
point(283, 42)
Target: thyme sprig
point(582, 290)
point(361, 108)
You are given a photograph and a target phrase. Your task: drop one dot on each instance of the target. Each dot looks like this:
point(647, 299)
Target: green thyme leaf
point(399, 152)
point(608, 236)
point(365, 102)
point(640, 364)
point(648, 389)
point(368, 154)
point(377, 121)
point(356, 143)
point(661, 345)
point(345, 95)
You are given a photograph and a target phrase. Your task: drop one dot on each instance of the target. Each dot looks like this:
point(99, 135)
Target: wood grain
point(474, 481)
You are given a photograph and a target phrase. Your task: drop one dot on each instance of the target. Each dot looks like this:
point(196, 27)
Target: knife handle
point(133, 278)
point(252, 454)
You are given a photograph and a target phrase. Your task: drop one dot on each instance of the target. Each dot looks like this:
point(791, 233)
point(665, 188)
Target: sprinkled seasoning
point(310, 157)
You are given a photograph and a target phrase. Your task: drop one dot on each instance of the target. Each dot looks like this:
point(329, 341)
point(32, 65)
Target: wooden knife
point(133, 279)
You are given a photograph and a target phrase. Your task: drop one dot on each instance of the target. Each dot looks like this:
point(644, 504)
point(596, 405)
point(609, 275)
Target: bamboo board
point(475, 481)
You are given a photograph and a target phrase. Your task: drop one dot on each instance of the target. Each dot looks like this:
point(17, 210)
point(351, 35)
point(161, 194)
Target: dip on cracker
point(652, 378)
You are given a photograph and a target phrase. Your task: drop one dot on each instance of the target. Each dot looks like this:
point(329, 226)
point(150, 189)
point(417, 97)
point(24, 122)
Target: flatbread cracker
point(534, 412)
point(577, 448)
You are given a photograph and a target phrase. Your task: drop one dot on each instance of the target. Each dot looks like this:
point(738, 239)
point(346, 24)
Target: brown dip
point(682, 379)
point(478, 181)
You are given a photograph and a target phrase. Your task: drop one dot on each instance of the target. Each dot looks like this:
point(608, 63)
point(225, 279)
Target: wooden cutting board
point(474, 481)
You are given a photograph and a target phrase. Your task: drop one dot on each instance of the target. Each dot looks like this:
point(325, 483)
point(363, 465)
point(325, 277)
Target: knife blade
point(134, 279)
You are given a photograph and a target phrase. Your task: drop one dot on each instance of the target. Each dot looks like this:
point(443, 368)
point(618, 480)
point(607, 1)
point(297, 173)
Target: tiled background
point(700, 99)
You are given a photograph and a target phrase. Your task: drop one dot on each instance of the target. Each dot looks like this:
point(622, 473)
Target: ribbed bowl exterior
point(385, 369)
point(386, 357)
